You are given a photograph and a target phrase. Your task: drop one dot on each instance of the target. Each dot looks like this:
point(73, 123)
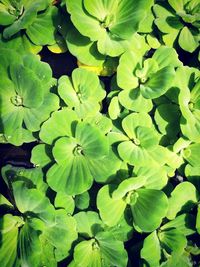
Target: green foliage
point(114, 141)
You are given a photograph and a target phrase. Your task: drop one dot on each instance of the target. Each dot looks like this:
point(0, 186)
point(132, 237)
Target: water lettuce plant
point(179, 21)
point(37, 22)
point(99, 146)
point(79, 149)
point(83, 92)
point(109, 23)
point(33, 231)
point(25, 96)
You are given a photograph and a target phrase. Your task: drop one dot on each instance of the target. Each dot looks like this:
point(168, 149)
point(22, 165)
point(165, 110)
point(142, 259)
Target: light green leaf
point(61, 234)
point(87, 253)
point(27, 86)
point(173, 241)
point(127, 65)
point(63, 201)
point(63, 123)
point(91, 27)
point(112, 250)
point(41, 155)
point(193, 175)
point(179, 201)
point(83, 49)
point(110, 209)
point(177, 5)
point(198, 220)
point(88, 223)
point(149, 207)
point(42, 30)
point(166, 56)
point(187, 41)
point(134, 101)
point(184, 223)
point(94, 144)
point(156, 176)
point(133, 120)
point(151, 250)
point(9, 225)
point(128, 185)
point(63, 177)
point(191, 154)
point(32, 200)
point(82, 201)
point(133, 154)
point(114, 108)
point(158, 83)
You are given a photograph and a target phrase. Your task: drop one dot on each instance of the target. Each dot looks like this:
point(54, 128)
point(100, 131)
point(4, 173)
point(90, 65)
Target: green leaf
point(9, 225)
point(63, 123)
point(100, 9)
point(93, 142)
point(173, 241)
point(91, 27)
point(29, 246)
point(83, 92)
point(32, 177)
point(27, 86)
point(41, 155)
point(151, 250)
point(133, 154)
point(88, 223)
point(187, 41)
point(128, 16)
point(134, 101)
point(149, 207)
point(156, 176)
point(110, 209)
point(167, 117)
point(184, 223)
point(128, 185)
point(114, 108)
point(32, 201)
point(63, 177)
point(128, 62)
point(42, 30)
point(166, 56)
point(191, 154)
point(179, 201)
point(123, 230)
point(192, 174)
point(133, 120)
point(61, 234)
point(177, 5)
point(83, 49)
point(63, 201)
point(158, 83)
point(198, 220)
point(82, 201)
point(87, 254)
point(112, 250)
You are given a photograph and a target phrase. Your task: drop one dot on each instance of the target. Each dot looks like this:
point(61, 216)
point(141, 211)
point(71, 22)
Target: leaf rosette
point(179, 20)
point(31, 229)
point(153, 76)
point(36, 18)
point(26, 100)
point(83, 92)
point(188, 83)
point(169, 240)
point(109, 23)
point(99, 246)
point(148, 206)
point(80, 153)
